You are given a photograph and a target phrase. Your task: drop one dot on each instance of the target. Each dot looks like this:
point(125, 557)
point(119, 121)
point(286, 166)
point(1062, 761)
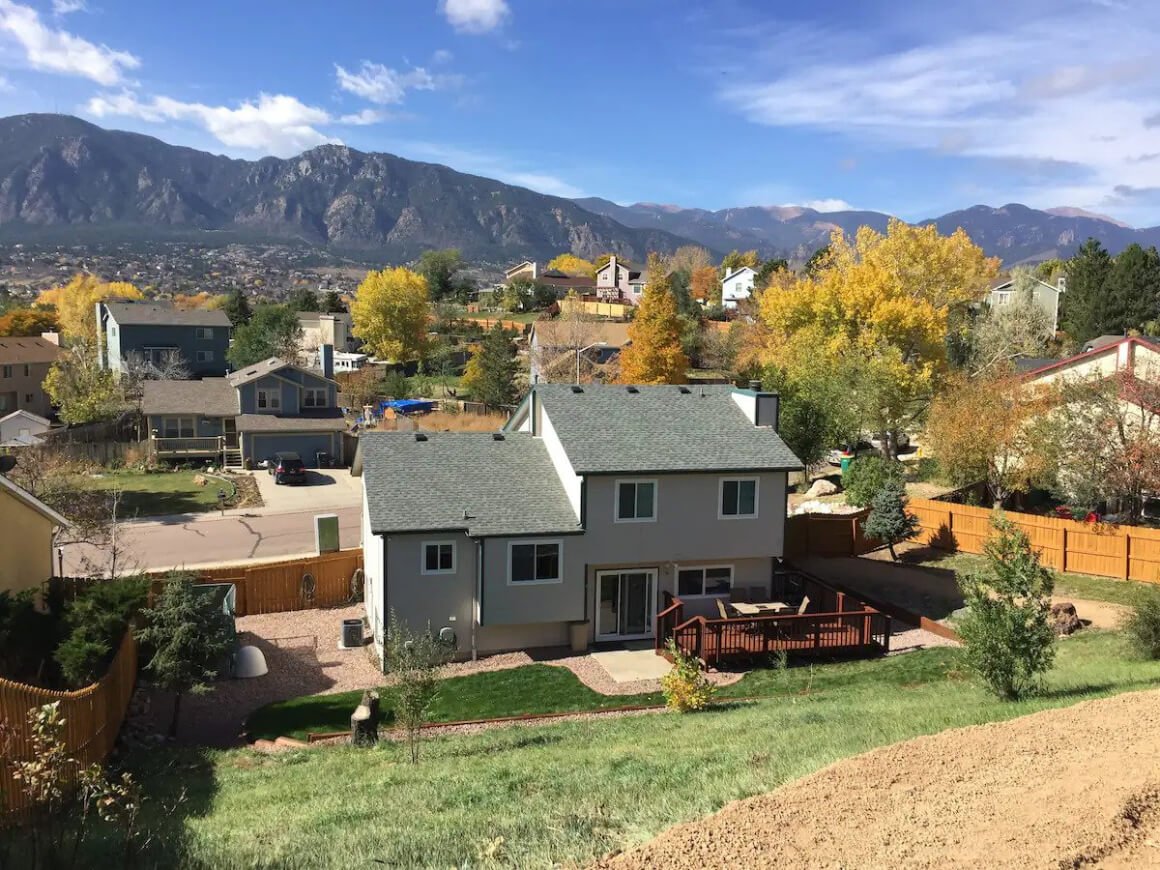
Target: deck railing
point(188, 446)
point(668, 619)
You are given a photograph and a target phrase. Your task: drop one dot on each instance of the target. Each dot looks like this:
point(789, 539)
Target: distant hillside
point(63, 177)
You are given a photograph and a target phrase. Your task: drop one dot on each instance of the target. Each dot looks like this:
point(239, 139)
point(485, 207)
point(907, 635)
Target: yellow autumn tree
point(572, 265)
point(654, 355)
point(877, 306)
point(390, 313)
point(76, 302)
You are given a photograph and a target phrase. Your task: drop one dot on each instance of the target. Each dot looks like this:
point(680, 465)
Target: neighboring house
point(527, 269)
point(737, 286)
point(621, 280)
point(155, 333)
point(24, 363)
point(333, 329)
point(1141, 356)
point(246, 417)
point(554, 343)
point(1047, 295)
point(22, 429)
point(343, 361)
point(29, 530)
point(570, 525)
point(559, 281)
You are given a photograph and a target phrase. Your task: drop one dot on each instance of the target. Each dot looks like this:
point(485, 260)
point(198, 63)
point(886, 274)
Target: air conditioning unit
point(352, 633)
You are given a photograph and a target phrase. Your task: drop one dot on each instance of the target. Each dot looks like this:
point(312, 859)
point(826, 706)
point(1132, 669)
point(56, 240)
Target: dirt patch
point(1100, 614)
point(248, 494)
point(1063, 788)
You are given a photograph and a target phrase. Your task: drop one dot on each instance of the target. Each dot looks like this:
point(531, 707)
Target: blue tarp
point(407, 406)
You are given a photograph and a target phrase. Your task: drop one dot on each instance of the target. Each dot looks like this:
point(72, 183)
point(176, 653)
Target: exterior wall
point(573, 484)
point(289, 383)
point(24, 392)
point(27, 559)
point(738, 287)
point(206, 427)
point(435, 600)
point(373, 577)
point(500, 638)
point(125, 340)
point(1100, 363)
point(532, 603)
point(9, 429)
point(257, 446)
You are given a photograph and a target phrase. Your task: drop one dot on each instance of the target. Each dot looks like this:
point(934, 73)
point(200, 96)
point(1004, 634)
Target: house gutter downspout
point(476, 604)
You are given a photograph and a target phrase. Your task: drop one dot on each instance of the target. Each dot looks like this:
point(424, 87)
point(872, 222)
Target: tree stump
point(364, 722)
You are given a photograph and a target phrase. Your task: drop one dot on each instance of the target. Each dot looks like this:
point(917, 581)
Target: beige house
point(319, 328)
point(621, 280)
point(558, 348)
point(1107, 356)
point(24, 363)
point(573, 524)
point(29, 527)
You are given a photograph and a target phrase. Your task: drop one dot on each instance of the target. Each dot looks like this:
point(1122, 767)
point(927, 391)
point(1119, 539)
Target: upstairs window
point(314, 397)
point(438, 557)
point(636, 501)
point(535, 562)
point(269, 400)
point(205, 333)
point(738, 498)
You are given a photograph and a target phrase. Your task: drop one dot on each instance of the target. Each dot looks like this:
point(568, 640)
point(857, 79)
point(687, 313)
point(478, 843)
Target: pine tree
point(1083, 303)
point(888, 520)
point(237, 307)
point(1130, 289)
point(490, 376)
point(654, 355)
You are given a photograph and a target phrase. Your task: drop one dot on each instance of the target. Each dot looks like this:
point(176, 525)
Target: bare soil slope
point(1076, 787)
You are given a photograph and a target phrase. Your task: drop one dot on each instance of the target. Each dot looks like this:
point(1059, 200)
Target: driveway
point(330, 488)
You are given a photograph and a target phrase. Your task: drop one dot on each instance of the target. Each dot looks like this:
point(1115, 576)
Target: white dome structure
point(250, 662)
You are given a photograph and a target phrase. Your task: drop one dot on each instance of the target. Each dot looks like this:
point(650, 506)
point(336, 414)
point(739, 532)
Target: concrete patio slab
point(631, 665)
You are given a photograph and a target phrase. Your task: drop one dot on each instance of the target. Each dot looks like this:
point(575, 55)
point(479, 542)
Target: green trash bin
point(847, 458)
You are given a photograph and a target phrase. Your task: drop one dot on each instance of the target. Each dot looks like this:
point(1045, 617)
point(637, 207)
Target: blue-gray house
point(150, 332)
point(246, 417)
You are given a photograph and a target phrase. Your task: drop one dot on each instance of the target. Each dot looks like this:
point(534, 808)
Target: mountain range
point(66, 180)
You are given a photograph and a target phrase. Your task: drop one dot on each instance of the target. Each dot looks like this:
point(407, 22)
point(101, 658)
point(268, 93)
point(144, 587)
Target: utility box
point(326, 533)
point(578, 636)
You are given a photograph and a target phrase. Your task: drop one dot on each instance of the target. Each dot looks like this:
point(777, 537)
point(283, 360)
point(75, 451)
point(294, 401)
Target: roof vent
point(497, 436)
point(632, 390)
point(684, 391)
point(576, 388)
point(419, 436)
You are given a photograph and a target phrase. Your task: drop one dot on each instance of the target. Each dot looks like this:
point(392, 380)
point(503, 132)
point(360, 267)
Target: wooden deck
point(834, 624)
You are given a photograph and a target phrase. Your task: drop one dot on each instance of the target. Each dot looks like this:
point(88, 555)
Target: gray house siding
point(507, 603)
point(123, 341)
point(430, 600)
point(289, 383)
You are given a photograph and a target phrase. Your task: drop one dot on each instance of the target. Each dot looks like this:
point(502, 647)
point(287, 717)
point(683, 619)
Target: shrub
point(27, 637)
point(95, 622)
point(414, 661)
point(685, 687)
point(1007, 630)
point(866, 476)
point(1142, 625)
point(888, 521)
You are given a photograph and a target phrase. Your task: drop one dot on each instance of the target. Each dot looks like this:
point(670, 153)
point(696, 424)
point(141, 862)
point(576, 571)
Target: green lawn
point(527, 690)
point(566, 793)
point(162, 492)
point(1077, 585)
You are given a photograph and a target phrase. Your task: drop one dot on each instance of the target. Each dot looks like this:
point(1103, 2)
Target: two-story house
point(620, 280)
point(246, 417)
point(24, 363)
point(737, 286)
point(153, 333)
point(571, 524)
point(1048, 296)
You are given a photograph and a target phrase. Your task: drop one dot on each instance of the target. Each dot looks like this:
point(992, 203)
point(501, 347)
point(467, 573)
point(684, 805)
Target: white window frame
point(704, 569)
point(721, 515)
point(268, 393)
point(559, 542)
point(616, 500)
point(204, 356)
point(423, 569)
point(315, 392)
point(205, 333)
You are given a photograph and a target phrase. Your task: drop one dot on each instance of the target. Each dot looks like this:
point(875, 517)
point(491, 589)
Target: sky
point(910, 107)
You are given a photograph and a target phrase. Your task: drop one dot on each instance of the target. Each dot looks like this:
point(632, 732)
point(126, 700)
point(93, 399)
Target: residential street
point(211, 539)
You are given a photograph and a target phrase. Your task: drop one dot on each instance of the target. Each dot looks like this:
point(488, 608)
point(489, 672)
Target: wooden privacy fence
point(276, 587)
point(92, 716)
point(1125, 552)
point(827, 535)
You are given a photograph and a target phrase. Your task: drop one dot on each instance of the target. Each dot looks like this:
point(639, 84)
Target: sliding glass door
point(625, 604)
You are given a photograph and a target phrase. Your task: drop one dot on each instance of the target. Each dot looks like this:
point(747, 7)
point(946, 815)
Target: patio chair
point(721, 609)
point(756, 594)
point(804, 605)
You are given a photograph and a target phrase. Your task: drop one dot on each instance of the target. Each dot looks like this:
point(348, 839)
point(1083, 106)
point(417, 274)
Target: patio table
point(760, 608)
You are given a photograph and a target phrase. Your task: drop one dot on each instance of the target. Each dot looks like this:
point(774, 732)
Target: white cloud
point(364, 118)
point(385, 86)
point(272, 124)
point(57, 51)
point(1058, 93)
point(823, 205)
point(68, 7)
point(441, 56)
point(475, 16)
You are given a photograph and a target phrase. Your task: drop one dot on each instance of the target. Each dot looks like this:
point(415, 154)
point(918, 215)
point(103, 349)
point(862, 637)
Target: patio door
point(625, 604)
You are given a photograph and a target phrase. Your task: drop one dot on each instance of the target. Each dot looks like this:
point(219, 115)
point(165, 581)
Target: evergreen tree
point(441, 269)
point(888, 520)
point(331, 303)
point(303, 299)
point(1083, 303)
point(655, 355)
point(1130, 290)
point(490, 376)
point(237, 307)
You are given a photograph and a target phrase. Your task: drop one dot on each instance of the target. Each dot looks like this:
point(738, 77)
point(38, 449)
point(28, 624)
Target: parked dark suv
point(287, 468)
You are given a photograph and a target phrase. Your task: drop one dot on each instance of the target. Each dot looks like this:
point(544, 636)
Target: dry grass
point(441, 421)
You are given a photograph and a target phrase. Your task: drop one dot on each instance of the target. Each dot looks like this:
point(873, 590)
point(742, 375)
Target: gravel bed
point(908, 638)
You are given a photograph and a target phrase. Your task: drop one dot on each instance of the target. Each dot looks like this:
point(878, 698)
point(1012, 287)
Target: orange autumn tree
point(705, 285)
point(655, 355)
point(28, 321)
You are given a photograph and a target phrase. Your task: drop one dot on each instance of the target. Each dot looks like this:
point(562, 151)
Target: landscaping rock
point(200, 480)
point(1064, 618)
point(821, 487)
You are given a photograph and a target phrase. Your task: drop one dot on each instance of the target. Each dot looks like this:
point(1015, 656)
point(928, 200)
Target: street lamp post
point(581, 350)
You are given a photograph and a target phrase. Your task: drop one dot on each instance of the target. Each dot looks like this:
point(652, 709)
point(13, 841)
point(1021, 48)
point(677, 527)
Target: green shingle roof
point(608, 429)
point(506, 487)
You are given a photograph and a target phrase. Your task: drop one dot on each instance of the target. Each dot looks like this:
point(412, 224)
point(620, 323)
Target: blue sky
point(905, 106)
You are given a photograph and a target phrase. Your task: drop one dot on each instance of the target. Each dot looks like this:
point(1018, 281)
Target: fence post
point(1127, 553)
point(1062, 547)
